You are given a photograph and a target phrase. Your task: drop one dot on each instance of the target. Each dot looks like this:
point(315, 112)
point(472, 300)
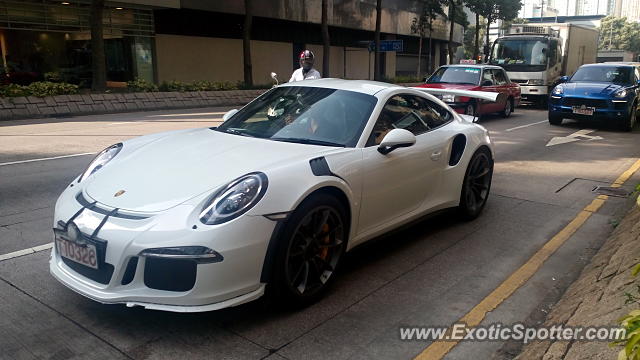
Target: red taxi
point(479, 78)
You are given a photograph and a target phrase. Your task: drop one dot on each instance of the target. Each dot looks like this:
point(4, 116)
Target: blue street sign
point(387, 45)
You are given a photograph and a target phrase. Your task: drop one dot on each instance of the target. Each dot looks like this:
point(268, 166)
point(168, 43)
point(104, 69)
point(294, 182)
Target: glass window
point(525, 51)
point(500, 77)
point(301, 114)
point(487, 75)
point(455, 75)
point(553, 52)
point(613, 74)
point(408, 112)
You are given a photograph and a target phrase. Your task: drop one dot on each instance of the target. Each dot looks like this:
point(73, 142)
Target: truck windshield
point(456, 75)
point(610, 74)
point(520, 54)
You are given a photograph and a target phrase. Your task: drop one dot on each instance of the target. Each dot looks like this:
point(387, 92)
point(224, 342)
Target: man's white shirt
point(298, 75)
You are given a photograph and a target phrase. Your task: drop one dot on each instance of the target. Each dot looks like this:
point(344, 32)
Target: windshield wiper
point(236, 131)
point(308, 141)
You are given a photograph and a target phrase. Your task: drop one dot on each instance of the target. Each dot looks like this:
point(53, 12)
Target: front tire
point(627, 123)
point(476, 184)
point(555, 119)
point(309, 250)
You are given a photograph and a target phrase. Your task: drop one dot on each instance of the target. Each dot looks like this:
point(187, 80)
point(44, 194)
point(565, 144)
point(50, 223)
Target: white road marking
point(576, 136)
point(24, 252)
point(524, 126)
point(44, 159)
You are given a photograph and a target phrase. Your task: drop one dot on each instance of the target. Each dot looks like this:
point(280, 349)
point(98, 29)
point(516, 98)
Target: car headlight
point(621, 94)
point(101, 160)
point(234, 199)
point(449, 98)
point(536, 82)
point(558, 90)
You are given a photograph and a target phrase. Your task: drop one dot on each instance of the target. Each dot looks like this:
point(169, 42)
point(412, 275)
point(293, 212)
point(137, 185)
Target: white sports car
point(202, 219)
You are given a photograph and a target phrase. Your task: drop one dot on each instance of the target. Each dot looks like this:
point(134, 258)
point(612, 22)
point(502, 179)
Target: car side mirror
point(564, 79)
point(394, 139)
point(229, 114)
point(487, 83)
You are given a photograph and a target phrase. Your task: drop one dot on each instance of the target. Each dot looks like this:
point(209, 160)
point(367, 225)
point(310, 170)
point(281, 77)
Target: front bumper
point(605, 109)
point(528, 92)
point(242, 242)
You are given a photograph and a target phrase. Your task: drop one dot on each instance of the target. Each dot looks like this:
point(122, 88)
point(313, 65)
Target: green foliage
point(470, 39)
point(431, 10)
point(40, 89)
point(141, 85)
point(631, 324)
point(619, 34)
point(403, 80)
point(53, 76)
point(203, 85)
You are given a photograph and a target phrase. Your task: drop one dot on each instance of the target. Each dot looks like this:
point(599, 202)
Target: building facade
point(188, 40)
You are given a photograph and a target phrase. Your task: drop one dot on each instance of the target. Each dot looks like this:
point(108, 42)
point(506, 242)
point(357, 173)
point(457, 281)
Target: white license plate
point(583, 111)
point(82, 254)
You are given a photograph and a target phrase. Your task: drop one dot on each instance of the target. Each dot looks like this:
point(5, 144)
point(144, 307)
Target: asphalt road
point(430, 274)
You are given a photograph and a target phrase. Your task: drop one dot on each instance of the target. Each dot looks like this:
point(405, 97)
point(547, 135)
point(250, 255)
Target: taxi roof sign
point(468, 61)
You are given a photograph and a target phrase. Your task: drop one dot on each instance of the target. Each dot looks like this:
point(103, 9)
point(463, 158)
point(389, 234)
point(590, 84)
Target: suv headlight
point(536, 82)
point(621, 94)
point(558, 90)
point(235, 199)
point(101, 160)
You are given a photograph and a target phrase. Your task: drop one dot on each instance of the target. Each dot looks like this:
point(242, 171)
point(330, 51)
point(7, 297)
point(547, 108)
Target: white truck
point(537, 55)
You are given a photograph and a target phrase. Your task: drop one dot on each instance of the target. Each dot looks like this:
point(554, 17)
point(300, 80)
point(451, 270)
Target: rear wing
point(482, 95)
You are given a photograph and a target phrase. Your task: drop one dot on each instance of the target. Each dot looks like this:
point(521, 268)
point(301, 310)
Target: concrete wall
point(220, 59)
point(65, 105)
point(190, 58)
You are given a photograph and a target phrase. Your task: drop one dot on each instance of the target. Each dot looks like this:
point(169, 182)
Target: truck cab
point(537, 56)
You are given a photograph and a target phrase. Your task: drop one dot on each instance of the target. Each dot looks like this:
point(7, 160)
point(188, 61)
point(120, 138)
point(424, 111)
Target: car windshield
point(610, 74)
point(519, 52)
point(308, 115)
point(456, 75)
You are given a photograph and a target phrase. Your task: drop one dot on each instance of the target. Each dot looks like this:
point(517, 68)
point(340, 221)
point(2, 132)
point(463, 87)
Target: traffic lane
point(28, 193)
point(523, 160)
point(28, 190)
point(43, 138)
point(429, 273)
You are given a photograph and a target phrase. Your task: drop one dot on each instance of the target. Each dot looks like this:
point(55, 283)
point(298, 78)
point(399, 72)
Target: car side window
point(487, 75)
point(408, 112)
point(501, 79)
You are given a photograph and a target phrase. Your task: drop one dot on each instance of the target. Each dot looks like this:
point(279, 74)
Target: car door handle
point(435, 156)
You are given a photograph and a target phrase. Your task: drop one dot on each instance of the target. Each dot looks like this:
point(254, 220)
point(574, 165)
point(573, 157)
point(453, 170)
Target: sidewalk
point(596, 298)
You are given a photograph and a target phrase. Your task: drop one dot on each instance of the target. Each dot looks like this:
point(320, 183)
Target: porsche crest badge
point(120, 192)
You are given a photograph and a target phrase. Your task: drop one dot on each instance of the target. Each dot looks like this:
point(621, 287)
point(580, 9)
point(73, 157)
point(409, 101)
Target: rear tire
point(476, 184)
point(555, 119)
point(310, 247)
point(508, 108)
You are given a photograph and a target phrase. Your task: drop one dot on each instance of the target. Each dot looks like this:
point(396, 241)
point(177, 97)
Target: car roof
point(633, 63)
point(624, 64)
point(479, 66)
point(362, 86)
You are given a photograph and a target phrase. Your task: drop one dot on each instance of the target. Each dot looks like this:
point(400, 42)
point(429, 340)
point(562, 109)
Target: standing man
point(306, 70)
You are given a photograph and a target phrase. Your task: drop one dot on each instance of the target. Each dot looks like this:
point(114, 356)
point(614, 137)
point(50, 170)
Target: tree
point(618, 33)
point(246, 42)
point(326, 43)
point(376, 60)
point(98, 59)
point(493, 10)
point(430, 11)
point(472, 39)
point(456, 16)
